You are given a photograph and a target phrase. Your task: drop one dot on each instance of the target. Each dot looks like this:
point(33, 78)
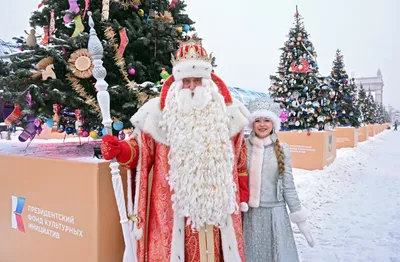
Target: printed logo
point(330, 144)
point(17, 205)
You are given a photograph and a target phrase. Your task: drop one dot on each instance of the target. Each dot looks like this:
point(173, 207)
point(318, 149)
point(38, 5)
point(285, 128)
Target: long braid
point(280, 157)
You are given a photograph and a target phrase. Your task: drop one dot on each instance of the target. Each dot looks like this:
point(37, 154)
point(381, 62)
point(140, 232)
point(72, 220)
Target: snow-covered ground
point(354, 204)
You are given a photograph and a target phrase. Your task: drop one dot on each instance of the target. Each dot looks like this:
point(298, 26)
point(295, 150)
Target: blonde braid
point(280, 157)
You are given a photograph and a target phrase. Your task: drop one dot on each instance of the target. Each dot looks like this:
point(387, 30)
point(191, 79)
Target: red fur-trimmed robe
point(157, 235)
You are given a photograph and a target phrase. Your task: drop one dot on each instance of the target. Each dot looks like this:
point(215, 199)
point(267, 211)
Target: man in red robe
point(189, 158)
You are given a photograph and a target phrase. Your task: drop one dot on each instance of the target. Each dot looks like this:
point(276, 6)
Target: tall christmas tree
point(53, 77)
point(342, 94)
point(298, 86)
point(372, 108)
point(362, 102)
point(386, 115)
point(379, 119)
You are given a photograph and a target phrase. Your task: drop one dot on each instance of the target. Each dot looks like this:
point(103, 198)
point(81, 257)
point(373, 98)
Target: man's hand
point(110, 147)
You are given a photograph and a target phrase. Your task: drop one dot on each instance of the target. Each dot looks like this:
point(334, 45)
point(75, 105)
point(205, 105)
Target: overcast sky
point(245, 36)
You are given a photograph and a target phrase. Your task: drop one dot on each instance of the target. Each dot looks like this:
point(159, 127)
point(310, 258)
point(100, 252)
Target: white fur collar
point(149, 115)
point(261, 142)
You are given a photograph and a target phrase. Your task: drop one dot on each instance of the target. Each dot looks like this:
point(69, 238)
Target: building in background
point(373, 83)
point(8, 47)
point(244, 95)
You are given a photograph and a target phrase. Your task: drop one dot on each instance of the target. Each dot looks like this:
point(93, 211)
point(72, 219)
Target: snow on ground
point(354, 204)
point(70, 149)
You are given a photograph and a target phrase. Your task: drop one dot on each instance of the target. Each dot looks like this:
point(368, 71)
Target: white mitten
point(305, 230)
point(244, 207)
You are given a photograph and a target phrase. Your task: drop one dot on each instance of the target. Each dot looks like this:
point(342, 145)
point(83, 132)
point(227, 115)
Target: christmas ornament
point(78, 122)
point(141, 12)
point(105, 12)
point(173, 3)
point(124, 41)
point(132, 71)
point(179, 29)
point(85, 133)
point(15, 115)
point(78, 26)
point(52, 23)
point(81, 64)
point(29, 99)
point(302, 67)
point(45, 67)
point(69, 130)
point(87, 3)
point(72, 11)
point(29, 131)
point(49, 122)
point(31, 39)
point(186, 28)
point(56, 118)
point(61, 128)
point(93, 134)
point(46, 32)
point(118, 125)
point(164, 73)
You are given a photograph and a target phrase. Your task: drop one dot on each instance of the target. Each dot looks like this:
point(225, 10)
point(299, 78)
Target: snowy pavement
point(354, 204)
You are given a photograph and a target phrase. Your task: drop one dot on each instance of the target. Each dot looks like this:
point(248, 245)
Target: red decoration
point(308, 133)
point(303, 67)
point(173, 3)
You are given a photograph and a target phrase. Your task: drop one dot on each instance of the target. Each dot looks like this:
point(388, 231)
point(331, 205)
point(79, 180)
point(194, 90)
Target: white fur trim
point(256, 162)
point(149, 115)
point(135, 232)
point(178, 239)
point(298, 216)
point(147, 118)
point(229, 243)
point(244, 207)
point(192, 68)
point(267, 114)
point(239, 115)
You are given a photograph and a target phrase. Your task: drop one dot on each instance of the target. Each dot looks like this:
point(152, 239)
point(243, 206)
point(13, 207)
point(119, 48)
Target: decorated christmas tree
point(362, 103)
point(52, 78)
point(379, 119)
point(386, 115)
point(298, 86)
point(342, 94)
point(372, 108)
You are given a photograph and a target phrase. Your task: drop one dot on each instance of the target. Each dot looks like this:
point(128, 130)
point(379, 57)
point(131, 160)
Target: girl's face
point(262, 127)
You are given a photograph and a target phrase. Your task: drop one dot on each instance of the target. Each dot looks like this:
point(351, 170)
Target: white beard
point(201, 155)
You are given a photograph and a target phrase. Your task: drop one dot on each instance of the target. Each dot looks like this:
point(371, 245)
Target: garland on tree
point(89, 100)
point(118, 57)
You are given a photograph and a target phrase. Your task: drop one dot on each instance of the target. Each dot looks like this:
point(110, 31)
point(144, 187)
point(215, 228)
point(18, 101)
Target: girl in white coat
point(266, 226)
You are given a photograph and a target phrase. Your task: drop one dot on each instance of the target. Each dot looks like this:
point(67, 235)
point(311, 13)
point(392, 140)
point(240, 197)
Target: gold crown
point(191, 50)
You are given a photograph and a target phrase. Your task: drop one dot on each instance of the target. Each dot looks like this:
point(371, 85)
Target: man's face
point(191, 83)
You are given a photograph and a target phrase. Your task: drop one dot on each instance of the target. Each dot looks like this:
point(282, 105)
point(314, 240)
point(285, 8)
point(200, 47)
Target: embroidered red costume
point(157, 233)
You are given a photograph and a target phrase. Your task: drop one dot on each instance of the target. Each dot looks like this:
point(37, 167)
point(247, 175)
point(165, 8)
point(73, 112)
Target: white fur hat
point(191, 60)
point(265, 107)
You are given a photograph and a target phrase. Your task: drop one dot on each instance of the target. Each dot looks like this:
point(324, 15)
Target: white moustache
point(198, 99)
